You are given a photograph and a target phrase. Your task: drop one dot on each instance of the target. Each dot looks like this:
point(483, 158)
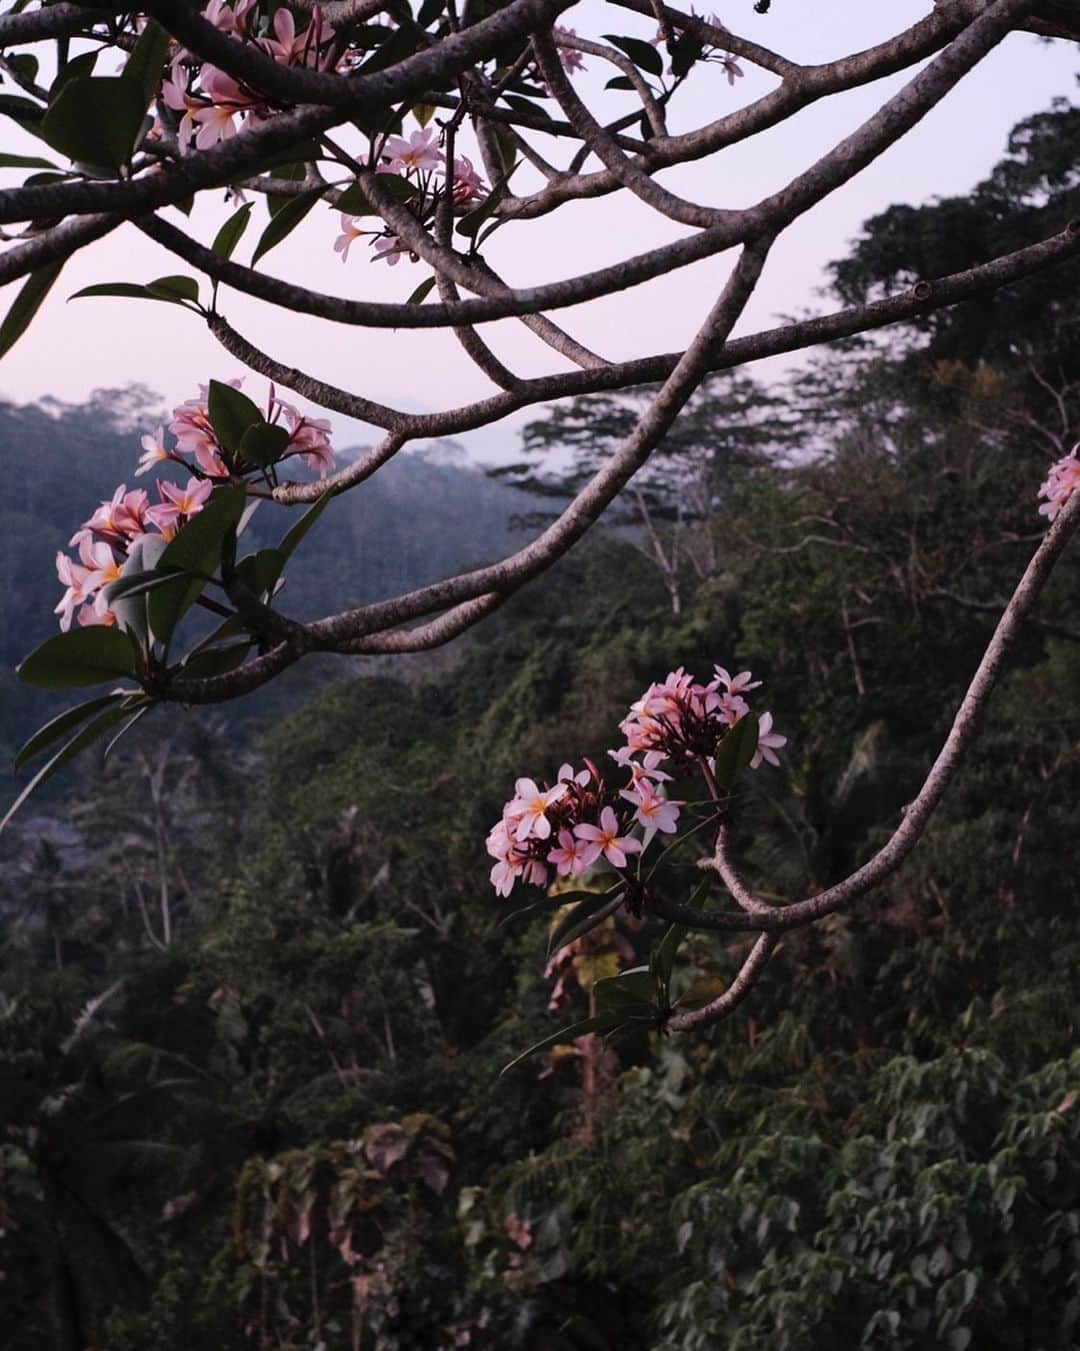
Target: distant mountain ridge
point(424, 515)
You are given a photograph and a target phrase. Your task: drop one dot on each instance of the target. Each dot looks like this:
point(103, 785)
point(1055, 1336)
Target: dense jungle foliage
point(257, 992)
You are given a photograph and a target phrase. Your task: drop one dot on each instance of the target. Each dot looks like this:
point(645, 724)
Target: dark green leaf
point(63, 723)
point(263, 443)
point(353, 202)
point(24, 66)
point(26, 304)
point(619, 82)
point(295, 534)
point(527, 107)
point(135, 717)
point(174, 288)
point(213, 661)
point(287, 218)
point(643, 54)
point(260, 572)
point(79, 657)
point(130, 611)
point(736, 751)
point(629, 994)
point(131, 291)
point(147, 60)
point(227, 238)
point(197, 547)
point(684, 52)
point(89, 734)
point(421, 293)
point(24, 112)
point(24, 162)
point(429, 11)
point(95, 119)
point(599, 1023)
point(591, 910)
point(231, 414)
point(662, 958)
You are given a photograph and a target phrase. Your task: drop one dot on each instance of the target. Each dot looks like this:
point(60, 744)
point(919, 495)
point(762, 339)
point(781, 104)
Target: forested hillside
point(252, 1020)
point(423, 516)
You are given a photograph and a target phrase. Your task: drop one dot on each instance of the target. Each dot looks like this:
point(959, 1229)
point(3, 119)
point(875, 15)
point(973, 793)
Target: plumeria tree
point(415, 133)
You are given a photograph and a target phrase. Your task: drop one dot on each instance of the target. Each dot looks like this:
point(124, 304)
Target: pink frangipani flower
point(534, 804)
point(419, 152)
point(607, 840)
point(769, 742)
point(572, 855)
point(349, 232)
point(652, 810)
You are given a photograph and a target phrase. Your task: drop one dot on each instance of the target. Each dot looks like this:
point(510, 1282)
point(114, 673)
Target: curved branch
point(735, 993)
point(943, 771)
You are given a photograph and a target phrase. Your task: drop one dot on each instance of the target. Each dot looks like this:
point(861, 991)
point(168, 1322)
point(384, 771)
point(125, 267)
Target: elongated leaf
point(231, 414)
point(197, 547)
point(591, 910)
point(230, 234)
point(260, 572)
point(130, 291)
point(24, 162)
point(24, 112)
point(92, 732)
point(139, 583)
point(214, 661)
point(629, 994)
point(662, 958)
point(174, 288)
point(95, 119)
point(130, 610)
point(421, 293)
point(296, 533)
point(736, 751)
point(26, 304)
point(285, 221)
point(146, 63)
point(353, 202)
point(643, 54)
point(87, 656)
point(137, 716)
point(527, 106)
point(619, 82)
point(564, 1034)
point(59, 726)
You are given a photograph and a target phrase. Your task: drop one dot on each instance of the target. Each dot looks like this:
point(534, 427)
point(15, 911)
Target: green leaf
point(130, 291)
point(79, 657)
point(175, 288)
point(629, 994)
point(259, 572)
point(296, 533)
point(25, 162)
point(684, 52)
point(135, 717)
point(263, 443)
point(643, 54)
point(736, 751)
point(527, 106)
point(197, 549)
point(230, 234)
point(26, 304)
point(89, 734)
point(146, 63)
point(619, 82)
point(63, 723)
point(287, 218)
point(591, 910)
point(662, 957)
point(353, 202)
point(213, 661)
point(231, 414)
point(23, 112)
point(421, 293)
point(597, 1023)
point(95, 119)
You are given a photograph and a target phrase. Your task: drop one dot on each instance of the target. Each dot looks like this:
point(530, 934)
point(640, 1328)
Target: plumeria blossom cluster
point(564, 829)
point(212, 104)
point(1063, 478)
point(105, 540)
point(199, 450)
point(419, 159)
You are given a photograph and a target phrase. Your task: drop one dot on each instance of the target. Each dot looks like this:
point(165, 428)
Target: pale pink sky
point(74, 348)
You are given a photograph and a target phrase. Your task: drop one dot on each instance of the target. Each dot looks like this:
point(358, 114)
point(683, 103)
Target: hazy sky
point(74, 348)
